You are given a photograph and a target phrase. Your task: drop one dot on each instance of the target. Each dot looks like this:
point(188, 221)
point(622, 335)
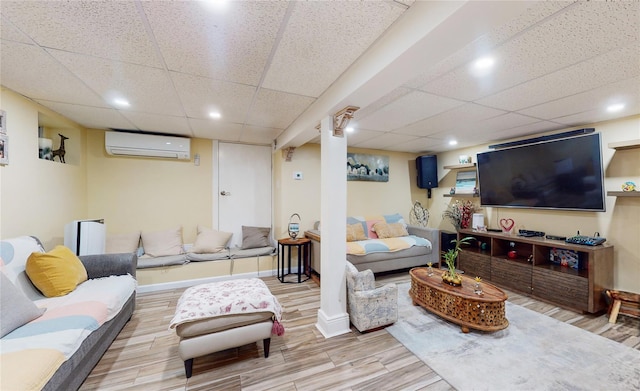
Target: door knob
point(225, 193)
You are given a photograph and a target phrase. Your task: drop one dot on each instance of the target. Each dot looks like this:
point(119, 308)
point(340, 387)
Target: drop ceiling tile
point(536, 12)
point(258, 135)
point(618, 64)
point(159, 123)
point(421, 145)
point(361, 135)
point(90, 117)
point(321, 40)
point(232, 43)
point(502, 122)
point(30, 71)
point(223, 131)
point(385, 141)
point(9, 32)
point(573, 35)
point(107, 29)
point(410, 108)
point(465, 115)
point(200, 96)
point(275, 109)
point(587, 101)
point(380, 103)
point(147, 89)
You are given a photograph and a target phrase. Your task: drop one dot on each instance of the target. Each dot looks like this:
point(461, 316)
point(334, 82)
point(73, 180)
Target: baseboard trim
point(163, 286)
point(333, 326)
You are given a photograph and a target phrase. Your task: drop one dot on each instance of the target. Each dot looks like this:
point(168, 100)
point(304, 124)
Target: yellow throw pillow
point(57, 272)
point(355, 232)
point(393, 230)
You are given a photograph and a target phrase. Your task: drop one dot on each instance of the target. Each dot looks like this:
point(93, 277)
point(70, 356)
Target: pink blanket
point(227, 298)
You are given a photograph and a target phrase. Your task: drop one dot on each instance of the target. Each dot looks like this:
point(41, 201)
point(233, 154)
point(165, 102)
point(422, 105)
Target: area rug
point(535, 352)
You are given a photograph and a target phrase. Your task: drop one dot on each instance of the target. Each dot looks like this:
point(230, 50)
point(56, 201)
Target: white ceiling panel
point(317, 46)
point(361, 135)
point(217, 131)
point(230, 43)
point(596, 99)
point(272, 67)
point(387, 140)
point(158, 123)
point(410, 108)
point(32, 72)
point(257, 135)
point(201, 95)
point(276, 109)
point(90, 117)
point(616, 65)
point(466, 114)
point(147, 89)
point(107, 29)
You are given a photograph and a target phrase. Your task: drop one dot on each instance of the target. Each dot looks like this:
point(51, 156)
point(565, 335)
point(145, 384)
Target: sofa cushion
point(393, 230)
point(162, 243)
point(253, 237)
point(57, 272)
point(355, 232)
point(123, 243)
point(15, 308)
point(210, 241)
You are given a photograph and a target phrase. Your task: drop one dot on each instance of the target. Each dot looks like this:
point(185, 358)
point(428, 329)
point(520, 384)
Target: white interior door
point(244, 188)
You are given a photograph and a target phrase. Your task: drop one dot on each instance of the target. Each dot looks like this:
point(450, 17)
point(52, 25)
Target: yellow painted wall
point(363, 198)
point(40, 196)
point(145, 194)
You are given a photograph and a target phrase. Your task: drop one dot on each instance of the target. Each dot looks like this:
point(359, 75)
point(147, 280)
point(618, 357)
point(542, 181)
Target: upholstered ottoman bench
point(223, 315)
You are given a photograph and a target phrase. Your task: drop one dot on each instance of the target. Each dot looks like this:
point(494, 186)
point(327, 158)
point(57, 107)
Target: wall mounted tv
point(562, 174)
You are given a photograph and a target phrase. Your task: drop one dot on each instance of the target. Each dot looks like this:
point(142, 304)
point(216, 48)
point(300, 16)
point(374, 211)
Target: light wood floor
point(145, 356)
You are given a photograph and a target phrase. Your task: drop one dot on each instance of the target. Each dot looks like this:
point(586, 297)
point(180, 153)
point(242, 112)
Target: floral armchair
point(370, 307)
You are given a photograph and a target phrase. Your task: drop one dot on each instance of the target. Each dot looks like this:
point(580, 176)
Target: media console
point(523, 264)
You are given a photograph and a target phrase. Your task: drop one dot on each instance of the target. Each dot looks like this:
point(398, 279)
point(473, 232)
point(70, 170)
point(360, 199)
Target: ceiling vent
point(147, 145)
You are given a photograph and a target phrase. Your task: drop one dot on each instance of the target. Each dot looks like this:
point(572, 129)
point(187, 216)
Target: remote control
point(494, 230)
point(555, 237)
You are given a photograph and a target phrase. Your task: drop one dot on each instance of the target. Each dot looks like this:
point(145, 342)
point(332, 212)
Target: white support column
point(332, 316)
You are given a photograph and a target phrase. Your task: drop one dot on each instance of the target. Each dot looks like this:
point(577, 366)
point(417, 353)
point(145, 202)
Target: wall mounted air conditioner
point(147, 145)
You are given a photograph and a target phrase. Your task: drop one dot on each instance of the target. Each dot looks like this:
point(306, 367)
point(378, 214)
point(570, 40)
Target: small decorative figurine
point(629, 186)
point(477, 288)
point(60, 152)
point(452, 191)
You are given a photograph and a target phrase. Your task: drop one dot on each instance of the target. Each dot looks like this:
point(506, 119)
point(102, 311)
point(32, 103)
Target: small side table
point(304, 258)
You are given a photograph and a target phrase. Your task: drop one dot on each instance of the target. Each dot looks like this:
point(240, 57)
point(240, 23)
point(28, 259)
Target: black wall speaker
point(427, 167)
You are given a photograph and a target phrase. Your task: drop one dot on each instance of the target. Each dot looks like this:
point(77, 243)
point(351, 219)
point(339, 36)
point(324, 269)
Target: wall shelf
point(462, 195)
point(456, 166)
point(629, 144)
point(624, 193)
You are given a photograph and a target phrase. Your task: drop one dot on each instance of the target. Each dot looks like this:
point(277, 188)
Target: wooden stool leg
point(188, 367)
point(615, 309)
point(266, 343)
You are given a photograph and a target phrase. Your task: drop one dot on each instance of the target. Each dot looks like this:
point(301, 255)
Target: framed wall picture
point(3, 121)
point(364, 167)
point(4, 148)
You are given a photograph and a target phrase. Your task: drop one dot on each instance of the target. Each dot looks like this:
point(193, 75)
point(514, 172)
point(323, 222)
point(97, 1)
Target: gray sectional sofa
point(100, 306)
point(385, 261)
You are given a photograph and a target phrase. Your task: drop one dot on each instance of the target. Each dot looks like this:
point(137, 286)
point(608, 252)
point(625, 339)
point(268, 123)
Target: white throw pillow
point(123, 243)
point(210, 241)
point(162, 243)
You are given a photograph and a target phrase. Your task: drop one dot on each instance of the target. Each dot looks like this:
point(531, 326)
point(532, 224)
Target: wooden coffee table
point(460, 305)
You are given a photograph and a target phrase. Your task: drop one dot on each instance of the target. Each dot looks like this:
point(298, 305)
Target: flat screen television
point(560, 174)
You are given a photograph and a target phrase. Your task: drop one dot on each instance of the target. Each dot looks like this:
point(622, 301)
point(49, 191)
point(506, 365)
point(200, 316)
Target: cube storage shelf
point(531, 271)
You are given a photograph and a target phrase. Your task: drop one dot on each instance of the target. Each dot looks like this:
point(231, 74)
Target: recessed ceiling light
point(215, 114)
point(615, 107)
point(484, 63)
point(121, 102)
point(453, 142)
